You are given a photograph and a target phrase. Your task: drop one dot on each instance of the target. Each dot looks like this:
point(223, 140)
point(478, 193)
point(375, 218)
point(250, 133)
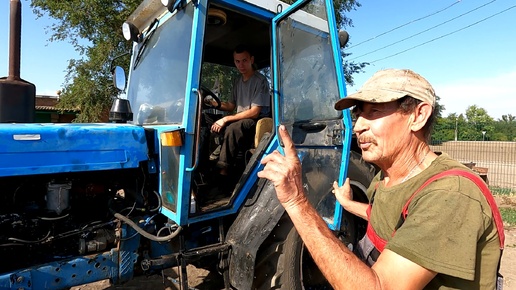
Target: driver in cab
point(250, 97)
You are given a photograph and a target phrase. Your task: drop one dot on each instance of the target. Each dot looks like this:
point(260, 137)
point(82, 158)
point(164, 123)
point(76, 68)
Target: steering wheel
point(210, 100)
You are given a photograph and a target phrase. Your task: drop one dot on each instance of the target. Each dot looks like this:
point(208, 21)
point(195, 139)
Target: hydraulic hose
point(146, 234)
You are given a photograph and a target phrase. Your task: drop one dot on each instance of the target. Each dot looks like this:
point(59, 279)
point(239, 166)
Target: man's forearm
point(227, 106)
point(252, 113)
point(338, 264)
point(357, 208)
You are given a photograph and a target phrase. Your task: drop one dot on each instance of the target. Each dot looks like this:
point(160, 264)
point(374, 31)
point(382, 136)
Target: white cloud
point(496, 94)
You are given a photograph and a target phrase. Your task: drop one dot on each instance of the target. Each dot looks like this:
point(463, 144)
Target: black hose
point(146, 234)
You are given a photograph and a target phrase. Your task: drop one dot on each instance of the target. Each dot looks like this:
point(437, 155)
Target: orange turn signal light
point(171, 138)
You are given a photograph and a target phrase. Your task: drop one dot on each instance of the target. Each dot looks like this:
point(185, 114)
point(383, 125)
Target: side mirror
point(343, 38)
point(119, 78)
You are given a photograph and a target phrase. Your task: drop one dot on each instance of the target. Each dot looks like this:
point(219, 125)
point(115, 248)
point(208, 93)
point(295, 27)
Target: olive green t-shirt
point(449, 228)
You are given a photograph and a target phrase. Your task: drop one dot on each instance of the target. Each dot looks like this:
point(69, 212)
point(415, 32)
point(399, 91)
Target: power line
point(442, 36)
point(421, 32)
point(396, 28)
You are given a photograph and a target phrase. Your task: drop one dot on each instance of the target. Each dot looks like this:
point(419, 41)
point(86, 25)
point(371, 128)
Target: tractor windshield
point(158, 81)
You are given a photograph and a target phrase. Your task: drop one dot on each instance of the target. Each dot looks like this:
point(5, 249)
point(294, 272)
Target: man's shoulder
point(259, 76)
point(456, 186)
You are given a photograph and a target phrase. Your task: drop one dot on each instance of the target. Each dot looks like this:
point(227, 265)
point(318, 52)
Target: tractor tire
point(283, 262)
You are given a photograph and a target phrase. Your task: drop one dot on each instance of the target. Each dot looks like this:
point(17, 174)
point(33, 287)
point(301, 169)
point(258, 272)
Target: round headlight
point(130, 31)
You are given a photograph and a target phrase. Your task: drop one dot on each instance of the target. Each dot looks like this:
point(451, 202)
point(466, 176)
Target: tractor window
point(219, 79)
point(308, 81)
point(158, 82)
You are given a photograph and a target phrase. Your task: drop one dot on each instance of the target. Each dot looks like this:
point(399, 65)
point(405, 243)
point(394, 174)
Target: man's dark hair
point(243, 48)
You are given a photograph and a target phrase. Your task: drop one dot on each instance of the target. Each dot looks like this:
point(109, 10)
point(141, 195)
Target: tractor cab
point(183, 59)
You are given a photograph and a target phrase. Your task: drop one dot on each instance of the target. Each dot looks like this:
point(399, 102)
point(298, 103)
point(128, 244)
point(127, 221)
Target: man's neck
point(408, 164)
point(248, 75)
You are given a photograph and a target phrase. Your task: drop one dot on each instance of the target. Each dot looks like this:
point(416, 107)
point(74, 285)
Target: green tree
point(479, 122)
point(219, 79)
point(439, 108)
point(341, 8)
point(441, 124)
point(94, 29)
point(444, 129)
point(505, 128)
point(469, 127)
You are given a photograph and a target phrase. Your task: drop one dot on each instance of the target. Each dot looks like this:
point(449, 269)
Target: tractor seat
point(264, 125)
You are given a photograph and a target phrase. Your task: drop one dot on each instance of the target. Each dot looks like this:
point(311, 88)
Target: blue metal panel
point(63, 274)
point(55, 148)
point(192, 84)
point(116, 265)
point(346, 144)
point(249, 9)
point(128, 254)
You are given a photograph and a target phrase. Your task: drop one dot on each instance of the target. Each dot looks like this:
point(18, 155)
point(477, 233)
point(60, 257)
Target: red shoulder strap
point(378, 242)
point(478, 182)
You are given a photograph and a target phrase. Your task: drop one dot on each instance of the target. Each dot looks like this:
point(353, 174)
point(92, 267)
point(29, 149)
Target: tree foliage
point(350, 67)
point(93, 27)
point(474, 125)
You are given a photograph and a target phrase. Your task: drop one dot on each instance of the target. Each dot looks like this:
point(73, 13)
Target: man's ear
point(252, 59)
point(420, 116)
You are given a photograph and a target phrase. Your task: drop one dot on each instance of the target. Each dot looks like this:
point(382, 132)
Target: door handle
point(312, 127)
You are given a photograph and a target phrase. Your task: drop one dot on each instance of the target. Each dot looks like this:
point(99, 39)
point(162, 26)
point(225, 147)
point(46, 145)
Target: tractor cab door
point(308, 80)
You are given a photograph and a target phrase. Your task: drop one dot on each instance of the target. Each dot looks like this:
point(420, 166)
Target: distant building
point(46, 111)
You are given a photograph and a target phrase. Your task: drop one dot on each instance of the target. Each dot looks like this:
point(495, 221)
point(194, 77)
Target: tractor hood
point(56, 148)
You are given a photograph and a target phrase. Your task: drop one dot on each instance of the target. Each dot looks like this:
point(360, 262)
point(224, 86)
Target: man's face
point(382, 132)
point(243, 62)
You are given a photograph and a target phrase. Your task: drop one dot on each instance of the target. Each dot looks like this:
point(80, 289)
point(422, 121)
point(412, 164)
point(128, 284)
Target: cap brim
point(345, 103)
point(376, 96)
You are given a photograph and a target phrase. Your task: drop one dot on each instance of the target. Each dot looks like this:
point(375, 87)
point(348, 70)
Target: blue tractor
point(86, 202)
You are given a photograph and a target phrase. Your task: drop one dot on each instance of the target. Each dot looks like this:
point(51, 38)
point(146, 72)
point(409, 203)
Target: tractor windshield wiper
point(152, 29)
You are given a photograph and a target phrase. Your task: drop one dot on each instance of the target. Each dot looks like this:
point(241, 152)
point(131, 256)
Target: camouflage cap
point(389, 85)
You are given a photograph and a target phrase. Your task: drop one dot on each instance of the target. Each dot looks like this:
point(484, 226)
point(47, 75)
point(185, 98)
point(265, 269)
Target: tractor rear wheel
point(283, 262)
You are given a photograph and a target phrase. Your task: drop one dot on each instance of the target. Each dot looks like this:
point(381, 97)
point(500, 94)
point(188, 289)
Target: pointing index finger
point(289, 148)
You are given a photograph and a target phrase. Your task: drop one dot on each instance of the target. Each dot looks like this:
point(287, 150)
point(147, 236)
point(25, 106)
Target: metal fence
point(495, 161)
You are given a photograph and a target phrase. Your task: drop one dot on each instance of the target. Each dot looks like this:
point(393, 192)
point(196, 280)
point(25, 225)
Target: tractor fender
point(254, 223)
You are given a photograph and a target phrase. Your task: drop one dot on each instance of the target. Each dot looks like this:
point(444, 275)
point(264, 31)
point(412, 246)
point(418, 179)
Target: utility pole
point(456, 119)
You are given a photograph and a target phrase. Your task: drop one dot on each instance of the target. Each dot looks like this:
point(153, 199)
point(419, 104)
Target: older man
point(440, 235)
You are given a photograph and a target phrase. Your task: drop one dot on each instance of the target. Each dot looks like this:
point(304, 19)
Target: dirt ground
point(202, 279)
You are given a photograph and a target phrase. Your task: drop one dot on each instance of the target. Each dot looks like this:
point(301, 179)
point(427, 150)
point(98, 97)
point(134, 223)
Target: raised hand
point(285, 172)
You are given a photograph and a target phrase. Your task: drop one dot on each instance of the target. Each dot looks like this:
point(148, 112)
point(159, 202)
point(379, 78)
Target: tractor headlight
point(130, 32)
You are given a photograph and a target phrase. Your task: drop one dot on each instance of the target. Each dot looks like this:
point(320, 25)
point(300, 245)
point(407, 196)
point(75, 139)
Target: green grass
point(502, 191)
point(508, 215)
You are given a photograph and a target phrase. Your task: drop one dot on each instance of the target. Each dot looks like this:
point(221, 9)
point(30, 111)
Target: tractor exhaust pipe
point(14, 41)
point(17, 97)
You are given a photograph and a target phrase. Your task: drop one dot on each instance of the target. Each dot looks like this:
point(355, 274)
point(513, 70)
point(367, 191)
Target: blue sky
point(43, 63)
point(474, 66)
